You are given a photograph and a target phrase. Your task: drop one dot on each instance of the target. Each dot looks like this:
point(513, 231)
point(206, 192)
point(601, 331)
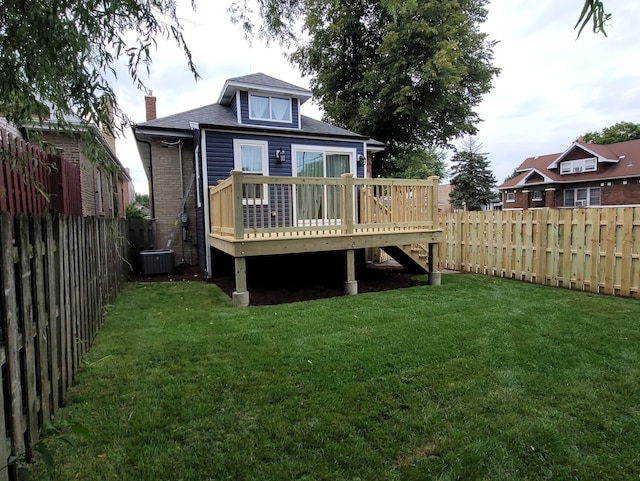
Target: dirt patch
point(427, 451)
point(271, 288)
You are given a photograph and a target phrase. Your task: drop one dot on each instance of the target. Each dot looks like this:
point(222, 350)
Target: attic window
point(579, 165)
point(269, 108)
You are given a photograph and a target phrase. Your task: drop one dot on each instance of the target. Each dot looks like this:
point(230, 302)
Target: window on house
point(269, 108)
point(511, 196)
point(318, 204)
point(582, 197)
point(577, 166)
point(537, 195)
point(251, 157)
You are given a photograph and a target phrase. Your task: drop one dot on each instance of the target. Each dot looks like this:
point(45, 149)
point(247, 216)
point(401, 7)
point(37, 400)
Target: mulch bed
point(269, 290)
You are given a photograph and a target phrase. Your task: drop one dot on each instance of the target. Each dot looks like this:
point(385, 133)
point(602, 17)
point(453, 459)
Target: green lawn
point(480, 378)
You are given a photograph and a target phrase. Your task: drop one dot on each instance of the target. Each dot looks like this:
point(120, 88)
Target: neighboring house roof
point(76, 123)
point(623, 159)
point(217, 115)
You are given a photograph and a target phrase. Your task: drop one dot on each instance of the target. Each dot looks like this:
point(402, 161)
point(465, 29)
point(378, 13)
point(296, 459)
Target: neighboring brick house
point(106, 185)
point(585, 175)
point(257, 117)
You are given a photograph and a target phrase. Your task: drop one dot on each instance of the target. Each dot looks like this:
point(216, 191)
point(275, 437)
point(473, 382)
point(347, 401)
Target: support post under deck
point(241, 294)
point(434, 275)
point(351, 285)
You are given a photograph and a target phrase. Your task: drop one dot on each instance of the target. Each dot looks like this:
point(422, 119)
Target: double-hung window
point(582, 197)
point(251, 156)
point(269, 108)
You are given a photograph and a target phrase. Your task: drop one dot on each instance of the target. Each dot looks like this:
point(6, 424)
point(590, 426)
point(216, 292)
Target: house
point(251, 176)
point(105, 183)
point(584, 175)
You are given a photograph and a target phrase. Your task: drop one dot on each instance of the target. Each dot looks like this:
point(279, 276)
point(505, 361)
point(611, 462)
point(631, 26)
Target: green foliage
point(409, 79)
point(134, 212)
point(420, 163)
point(472, 181)
point(58, 58)
point(513, 174)
point(66, 432)
point(620, 132)
point(480, 378)
point(593, 11)
point(143, 200)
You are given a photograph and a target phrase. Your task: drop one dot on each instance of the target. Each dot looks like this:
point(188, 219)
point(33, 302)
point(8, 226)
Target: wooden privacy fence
point(596, 250)
point(34, 182)
point(56, 275)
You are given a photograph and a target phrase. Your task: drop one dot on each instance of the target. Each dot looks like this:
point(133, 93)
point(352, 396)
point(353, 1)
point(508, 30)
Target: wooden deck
point(253, 215)
point(256, 215)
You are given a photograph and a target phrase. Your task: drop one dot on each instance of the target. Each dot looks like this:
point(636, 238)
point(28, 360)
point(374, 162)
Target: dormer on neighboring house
point(261, 100)
point(584, 175)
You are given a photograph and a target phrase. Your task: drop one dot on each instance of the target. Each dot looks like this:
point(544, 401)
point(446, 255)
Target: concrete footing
point(351, 287)
point(435, 278)
point(240, 299)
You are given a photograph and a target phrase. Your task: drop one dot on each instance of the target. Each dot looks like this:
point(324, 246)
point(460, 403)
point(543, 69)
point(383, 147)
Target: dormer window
point(269, 108)
point(579, 165)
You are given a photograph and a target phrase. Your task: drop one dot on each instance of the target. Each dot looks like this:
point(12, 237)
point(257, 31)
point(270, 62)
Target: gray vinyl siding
point(244, 104)
point(234, 106)
point(219, 148)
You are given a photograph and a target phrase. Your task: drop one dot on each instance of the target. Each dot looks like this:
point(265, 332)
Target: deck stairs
point(413, 257)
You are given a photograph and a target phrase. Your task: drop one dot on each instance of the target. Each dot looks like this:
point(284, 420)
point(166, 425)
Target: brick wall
point(102, 194)
point(167, 198)
point(621, 193)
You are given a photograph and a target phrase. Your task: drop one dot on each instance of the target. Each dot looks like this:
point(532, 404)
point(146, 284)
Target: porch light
point(361, 159)
point(280, 156)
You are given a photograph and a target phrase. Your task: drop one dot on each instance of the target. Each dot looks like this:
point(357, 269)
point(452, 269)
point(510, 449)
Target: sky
point(552, 87)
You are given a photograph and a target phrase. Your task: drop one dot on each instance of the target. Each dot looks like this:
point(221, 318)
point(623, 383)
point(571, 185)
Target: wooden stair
point(413, 257)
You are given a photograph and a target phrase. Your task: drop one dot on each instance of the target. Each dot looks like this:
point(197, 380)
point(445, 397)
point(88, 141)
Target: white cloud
point(552, 88)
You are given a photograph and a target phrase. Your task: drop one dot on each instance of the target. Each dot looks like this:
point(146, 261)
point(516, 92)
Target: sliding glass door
point(320, 204)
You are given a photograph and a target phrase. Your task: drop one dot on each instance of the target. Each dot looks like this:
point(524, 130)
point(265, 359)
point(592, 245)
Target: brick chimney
point(150, 106)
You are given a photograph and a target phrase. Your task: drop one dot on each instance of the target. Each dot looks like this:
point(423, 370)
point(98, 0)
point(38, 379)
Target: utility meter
point(184, 217)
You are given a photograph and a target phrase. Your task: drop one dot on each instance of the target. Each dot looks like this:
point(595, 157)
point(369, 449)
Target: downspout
point(153, 203)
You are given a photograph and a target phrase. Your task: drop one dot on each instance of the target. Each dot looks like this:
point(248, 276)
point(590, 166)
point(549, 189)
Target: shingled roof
point(216, 115)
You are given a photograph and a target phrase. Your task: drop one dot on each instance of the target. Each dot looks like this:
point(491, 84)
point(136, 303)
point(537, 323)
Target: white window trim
point(539, 197)
point(353, 169)
point(586, 202)
point(351, 152)
point(237, 165)
point(577, 166)
point(269, 119)
point(511, 197)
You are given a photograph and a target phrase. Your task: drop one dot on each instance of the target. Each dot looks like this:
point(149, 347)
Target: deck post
point(348, 202)
point(238, 210)
point(435, 276)
point(241, 294)
point(351, 285)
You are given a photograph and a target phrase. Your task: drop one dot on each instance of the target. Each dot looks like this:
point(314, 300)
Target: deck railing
point(254, 207)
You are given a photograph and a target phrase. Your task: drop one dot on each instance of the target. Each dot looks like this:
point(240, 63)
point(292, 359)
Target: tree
point(278, 18)
point(143, 200)
point(59, 57)
point(472, 181)
point(620, 132)
point(593, 10)
point(420, 163)
point(409, 79)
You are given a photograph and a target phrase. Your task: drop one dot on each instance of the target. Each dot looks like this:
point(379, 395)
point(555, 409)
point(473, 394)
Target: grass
point(480, 378)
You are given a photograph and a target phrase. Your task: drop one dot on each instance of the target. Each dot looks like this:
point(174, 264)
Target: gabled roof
point(264, 83)
point(602, 152)
point(216, 115)
point(623, 161)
